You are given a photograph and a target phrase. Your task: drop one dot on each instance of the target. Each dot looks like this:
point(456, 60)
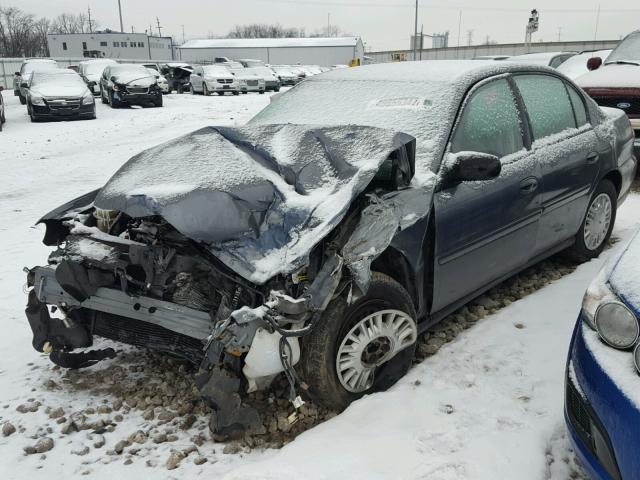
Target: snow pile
point(625, 278)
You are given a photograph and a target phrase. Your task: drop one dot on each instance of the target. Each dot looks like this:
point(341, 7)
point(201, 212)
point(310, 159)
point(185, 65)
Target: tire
point(244, 93)
point(158, 101)
point(193, 90)
point(238, 93)
point(23, 100)
point(112, 101)
point(318, 362)
point(32, 117)
point(221, 93)
point(205, 90)
point(261, 92)
point(581, 250)
point(277, 89)
point(102, 97)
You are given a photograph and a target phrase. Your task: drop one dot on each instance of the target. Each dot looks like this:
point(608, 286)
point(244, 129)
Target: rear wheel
point(205, 90)
point(360, 348)
point(23, 99)
point(158, 101)
point(221, 93)
point(597, 224)
point(103, 99)
point(114, 102)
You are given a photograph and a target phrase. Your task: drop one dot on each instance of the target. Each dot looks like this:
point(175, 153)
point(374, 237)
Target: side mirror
point(594, 63)
point(113, 79)
point(91, 84)
point(472, 167)
point(199, 74)
point(24, 85)
point(17, 74)
point(1, 88)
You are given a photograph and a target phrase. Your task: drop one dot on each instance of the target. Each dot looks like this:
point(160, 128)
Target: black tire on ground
point(205, 90)
point(221, 93)
point(244, 93)
point(32, 117)
point(261, 92)
point(112, 101)
point(238, 93)
point(317, 364)
point(579, 251)
point(103, 99)
point(277, 89)
point(158, 101)
point(193, 90)
point(23, 100)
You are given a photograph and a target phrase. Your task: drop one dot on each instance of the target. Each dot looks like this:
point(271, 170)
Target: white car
point(576, 66)
point(24, 75)
point(548, 59)
point(285, 74)
point(91, 71)
point(162, 81)
point(248, 81)
point(207, 79)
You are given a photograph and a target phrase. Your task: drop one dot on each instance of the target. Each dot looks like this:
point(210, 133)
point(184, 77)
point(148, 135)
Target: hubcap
point(598, 220)
point(373, 341)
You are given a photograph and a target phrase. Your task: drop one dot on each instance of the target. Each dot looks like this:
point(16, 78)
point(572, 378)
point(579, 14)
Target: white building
point(131, 46)
point(288, 51)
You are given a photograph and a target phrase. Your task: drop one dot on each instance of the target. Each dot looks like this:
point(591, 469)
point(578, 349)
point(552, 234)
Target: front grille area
point(146, 335)
point(225, 80)
point(63, 104)
point(579, 415)
point(137, 90)
point(620, 102)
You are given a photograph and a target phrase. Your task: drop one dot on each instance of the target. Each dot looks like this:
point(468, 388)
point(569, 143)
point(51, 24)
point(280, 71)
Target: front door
point(486, 229)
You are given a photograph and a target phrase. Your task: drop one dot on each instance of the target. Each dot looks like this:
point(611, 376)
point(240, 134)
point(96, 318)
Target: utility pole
point(90, 23)
point(132, 29)
point(532, 27)
point(559, 33)
point(421, 40)
point(469, 37)
point(159, 27)
point(183, 33)
point(415, 34)
point(328, 24)
point(120, 12)
point(595, 35)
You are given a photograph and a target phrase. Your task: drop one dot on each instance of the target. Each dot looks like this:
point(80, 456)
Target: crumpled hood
point(75, 90)
point(611, 76)
point(260, 197)
point(624, 278)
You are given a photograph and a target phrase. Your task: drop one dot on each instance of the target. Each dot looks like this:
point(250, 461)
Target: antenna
point(90, 23)
point(159, 27)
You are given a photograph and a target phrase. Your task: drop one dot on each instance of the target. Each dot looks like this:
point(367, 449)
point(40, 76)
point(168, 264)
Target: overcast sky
point(383, 24)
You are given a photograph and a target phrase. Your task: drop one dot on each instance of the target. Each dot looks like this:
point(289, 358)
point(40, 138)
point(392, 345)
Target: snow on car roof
point(541, 57)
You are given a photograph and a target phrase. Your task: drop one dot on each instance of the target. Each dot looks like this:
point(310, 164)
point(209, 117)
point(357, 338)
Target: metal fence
point(8, 66)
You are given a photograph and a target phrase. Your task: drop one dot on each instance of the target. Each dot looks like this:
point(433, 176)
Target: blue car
point(602, 397)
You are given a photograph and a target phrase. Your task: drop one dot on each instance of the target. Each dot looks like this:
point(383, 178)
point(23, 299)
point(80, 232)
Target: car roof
point(541, 56)
point(463, 72)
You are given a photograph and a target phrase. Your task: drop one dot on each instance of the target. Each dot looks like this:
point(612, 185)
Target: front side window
point(490, 122)
point(547, 102)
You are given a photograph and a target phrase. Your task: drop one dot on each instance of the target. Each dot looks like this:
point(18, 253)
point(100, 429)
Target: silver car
point(91, 70)
point(208, 79)
point(24, 75)
point(248, 81)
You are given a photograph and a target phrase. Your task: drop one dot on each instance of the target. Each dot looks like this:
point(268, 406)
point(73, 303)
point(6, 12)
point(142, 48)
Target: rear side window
point(578, 106)
point(547, 103)
point(490, 122)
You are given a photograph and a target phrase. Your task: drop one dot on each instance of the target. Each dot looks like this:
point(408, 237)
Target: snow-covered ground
point(487, 406)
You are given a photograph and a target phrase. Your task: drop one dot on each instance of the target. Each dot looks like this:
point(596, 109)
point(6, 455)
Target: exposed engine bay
point(138, 279)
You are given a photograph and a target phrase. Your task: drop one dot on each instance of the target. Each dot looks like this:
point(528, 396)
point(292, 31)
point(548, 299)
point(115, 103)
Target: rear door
point(567, 149)
point(487, 229)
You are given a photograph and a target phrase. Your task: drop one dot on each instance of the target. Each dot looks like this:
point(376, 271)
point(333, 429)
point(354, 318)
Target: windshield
point(421, 109)
point(63, 78)
point(213, 70)
point(627, 51)
point(31, 66)
point(130, 69)
point(261, 72)
point(95, 68)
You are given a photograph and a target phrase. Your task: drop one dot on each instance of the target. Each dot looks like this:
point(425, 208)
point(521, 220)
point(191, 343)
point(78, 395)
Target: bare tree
point(330, 31)
point(260, 30)
point(70, 23)
point(19, 34)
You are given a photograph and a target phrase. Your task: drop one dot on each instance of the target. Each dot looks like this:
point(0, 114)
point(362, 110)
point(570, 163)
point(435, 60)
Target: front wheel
point(205, 90)
point(158, 101)
point(597, 224)
point(360, 348)
point(23, 100)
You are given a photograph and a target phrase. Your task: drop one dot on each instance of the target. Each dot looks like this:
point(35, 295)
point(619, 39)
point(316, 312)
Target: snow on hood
point(58, 84)
point(260, 197)
point(625, 278)
point(60, 90)
point(611, 76)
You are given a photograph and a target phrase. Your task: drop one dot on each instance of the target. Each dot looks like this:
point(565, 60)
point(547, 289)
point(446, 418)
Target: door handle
point(529, 185)
point(593, 157)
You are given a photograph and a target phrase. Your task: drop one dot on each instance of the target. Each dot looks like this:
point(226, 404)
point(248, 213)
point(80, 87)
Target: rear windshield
point(95, 68)
point(213, 70)
point(129, 69)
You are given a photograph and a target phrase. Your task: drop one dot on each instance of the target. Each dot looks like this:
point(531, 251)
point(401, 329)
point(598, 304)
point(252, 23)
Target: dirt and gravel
point(161, 391)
